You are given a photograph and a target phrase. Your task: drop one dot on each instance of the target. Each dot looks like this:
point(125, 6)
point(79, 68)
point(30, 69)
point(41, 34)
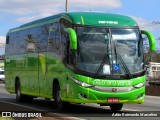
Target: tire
point(19, 96)
point(116, 107)
point(28, 98)
point(59, 104)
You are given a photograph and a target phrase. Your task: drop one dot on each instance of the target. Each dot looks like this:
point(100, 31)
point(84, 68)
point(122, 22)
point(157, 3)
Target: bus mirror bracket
point(152, 41)
point(72, 37)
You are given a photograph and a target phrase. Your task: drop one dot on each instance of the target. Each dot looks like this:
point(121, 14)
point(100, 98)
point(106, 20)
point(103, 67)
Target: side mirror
point(152, 41)
point(72, 37)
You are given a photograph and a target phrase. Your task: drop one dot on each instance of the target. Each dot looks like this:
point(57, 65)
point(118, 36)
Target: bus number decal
point(108, 22)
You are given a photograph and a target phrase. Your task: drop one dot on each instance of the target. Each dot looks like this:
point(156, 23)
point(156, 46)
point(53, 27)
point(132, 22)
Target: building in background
point(153, 73)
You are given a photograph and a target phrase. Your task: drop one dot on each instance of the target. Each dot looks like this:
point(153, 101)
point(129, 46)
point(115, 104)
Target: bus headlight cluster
point(139, 85)
point(81, 83)
point(136, 86)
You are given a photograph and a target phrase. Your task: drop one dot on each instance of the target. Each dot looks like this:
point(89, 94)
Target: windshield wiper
point(101, 65)
point(125, 66)
point(122, 61)
point(106, 56)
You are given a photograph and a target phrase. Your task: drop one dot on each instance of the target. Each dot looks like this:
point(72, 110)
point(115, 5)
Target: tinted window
point(64, 36)
point(43, 38)
point(54, 43)
point(30, 39)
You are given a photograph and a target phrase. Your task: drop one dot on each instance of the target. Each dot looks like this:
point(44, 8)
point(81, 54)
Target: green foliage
point(152, 57)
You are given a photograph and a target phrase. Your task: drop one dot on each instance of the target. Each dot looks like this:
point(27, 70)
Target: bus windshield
point(107, 51)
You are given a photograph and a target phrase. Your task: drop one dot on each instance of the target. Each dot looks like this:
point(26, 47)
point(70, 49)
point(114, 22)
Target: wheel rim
point(18, 93)
point(58, 96)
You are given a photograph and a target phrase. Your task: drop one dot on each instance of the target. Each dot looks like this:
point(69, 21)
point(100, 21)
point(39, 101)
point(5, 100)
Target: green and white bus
point(78, 57)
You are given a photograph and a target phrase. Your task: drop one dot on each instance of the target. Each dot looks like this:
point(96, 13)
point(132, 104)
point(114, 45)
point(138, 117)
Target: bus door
point(54, 65)
point(42, 58)
point(42, 73)
point(32, 64)
point(49, 60)
point(69, 63)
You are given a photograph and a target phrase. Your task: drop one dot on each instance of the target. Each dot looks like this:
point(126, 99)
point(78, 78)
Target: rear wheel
point(116, 107)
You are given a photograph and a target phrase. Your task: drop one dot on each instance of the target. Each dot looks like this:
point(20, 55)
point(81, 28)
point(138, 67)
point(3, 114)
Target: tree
point(152, 57)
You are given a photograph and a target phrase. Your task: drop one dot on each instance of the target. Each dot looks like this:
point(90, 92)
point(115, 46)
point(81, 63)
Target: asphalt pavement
point(150, 109)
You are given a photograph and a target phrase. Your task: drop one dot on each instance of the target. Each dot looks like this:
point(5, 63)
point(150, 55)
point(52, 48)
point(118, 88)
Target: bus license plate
point(112, 100)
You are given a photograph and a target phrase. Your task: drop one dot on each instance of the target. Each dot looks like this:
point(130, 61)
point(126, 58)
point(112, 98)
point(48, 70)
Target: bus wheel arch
point(59, 104)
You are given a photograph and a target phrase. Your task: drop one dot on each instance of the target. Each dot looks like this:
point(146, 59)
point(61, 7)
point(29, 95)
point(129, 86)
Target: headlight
point(81, 83)
point(139, 85)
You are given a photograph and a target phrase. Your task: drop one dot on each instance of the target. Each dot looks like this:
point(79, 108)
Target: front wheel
point(57, 98)
point(19, 96)
point(116, 107)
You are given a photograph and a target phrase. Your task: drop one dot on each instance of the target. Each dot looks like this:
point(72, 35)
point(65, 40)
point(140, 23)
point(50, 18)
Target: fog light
point(139, 96)
point(83, 95)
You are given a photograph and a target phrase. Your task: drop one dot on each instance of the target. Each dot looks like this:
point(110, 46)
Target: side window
point(65, 39)
point(30, 43)
point(54, 44)
point(8, 44)
point(12, 46)
point(68, 54)
point(66, 23)
point(43, 33)
point(22, 42)
point(30, 38)
point(16, 43)
point(7, 39)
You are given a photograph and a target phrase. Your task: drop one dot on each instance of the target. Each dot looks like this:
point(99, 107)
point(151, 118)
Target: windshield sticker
point(116, 67)
point(106, 37)
point(124, 37)
point(106, 69)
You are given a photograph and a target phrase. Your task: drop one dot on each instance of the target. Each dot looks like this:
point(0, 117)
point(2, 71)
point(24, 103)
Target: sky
point(14, 13)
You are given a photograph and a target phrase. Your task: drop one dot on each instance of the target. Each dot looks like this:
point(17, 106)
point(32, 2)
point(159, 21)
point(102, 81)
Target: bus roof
point(85, 18)
point(102, 19)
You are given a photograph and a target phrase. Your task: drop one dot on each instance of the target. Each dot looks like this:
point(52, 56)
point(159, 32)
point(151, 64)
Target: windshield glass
point(126, 43)
point(109, 51)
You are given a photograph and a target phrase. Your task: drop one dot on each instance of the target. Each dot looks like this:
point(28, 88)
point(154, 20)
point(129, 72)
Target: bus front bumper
point(88, 95)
